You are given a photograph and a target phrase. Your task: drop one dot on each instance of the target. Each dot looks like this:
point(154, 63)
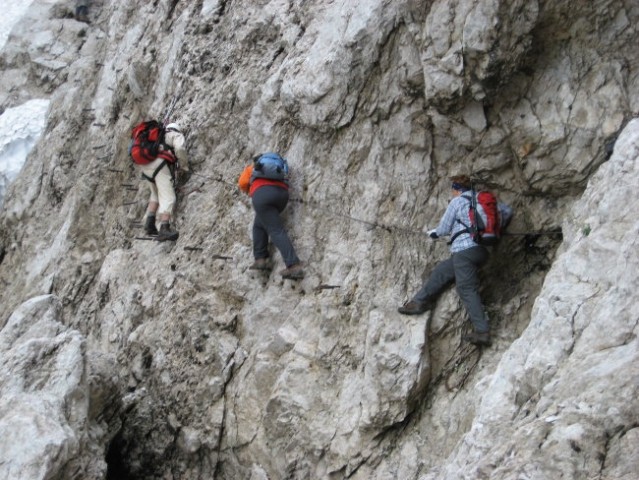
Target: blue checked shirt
point(449, 225)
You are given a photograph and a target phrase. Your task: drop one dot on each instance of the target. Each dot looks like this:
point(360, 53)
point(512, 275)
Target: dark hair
point(462, 181)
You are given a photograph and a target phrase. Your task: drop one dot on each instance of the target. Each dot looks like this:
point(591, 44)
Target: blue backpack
point(272, 166)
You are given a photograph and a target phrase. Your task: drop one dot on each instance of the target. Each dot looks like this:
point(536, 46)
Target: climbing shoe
point(294, 272)
point(166, 233)
point(149, 225)
point(479, 339)
point(261, 264)
point(413, 308)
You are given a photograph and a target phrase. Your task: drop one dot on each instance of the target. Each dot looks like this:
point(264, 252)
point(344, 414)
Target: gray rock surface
point(53, 400)
point(205, 369)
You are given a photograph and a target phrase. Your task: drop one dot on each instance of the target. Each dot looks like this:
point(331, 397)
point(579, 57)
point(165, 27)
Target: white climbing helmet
point(173, 127)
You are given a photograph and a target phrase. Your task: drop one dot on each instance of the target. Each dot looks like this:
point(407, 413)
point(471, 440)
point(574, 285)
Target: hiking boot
point(294, 272)
point(166, 233)
point(149, 225)
point(413, 308)
point(261, 264)
point(479, 339)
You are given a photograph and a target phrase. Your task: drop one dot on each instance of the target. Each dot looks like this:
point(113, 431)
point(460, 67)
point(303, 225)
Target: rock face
point(552, 395)
point(49, 430)
point(176, 361)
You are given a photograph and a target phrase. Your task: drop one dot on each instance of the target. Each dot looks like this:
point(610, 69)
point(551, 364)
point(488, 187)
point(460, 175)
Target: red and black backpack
point(147, 143)
point(488, 218)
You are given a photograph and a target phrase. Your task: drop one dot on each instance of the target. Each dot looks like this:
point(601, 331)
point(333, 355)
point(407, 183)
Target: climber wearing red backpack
point(462, 268)
point(157, 152)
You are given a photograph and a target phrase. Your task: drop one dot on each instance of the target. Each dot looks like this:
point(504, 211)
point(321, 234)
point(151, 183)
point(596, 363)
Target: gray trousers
point(462, 268)
point(269, 201)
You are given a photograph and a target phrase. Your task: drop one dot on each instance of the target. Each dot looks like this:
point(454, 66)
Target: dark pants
point(462, 268)
point(269, 201)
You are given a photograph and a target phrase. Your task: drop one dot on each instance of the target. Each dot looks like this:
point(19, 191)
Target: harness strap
point(155, 173)
point(465, 230)
point(457, 234)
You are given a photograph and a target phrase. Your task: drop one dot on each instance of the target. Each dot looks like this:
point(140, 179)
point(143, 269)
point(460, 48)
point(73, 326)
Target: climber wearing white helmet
point(159, 174)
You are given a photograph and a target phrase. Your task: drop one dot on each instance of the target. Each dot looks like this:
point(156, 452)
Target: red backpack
point(147, 143)
point(488, 218)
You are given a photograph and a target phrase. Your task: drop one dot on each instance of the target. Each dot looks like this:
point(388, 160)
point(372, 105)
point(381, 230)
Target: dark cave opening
point(116, 466)
point(518, 265)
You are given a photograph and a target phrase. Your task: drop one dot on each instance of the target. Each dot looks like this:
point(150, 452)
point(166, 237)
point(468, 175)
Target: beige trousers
point(162, 190)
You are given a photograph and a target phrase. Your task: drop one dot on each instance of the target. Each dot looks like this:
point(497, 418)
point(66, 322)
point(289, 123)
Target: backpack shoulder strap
point(467, 227)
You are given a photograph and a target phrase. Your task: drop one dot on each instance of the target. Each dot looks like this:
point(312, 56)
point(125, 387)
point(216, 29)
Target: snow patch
point(20, 129)
point(12, 12)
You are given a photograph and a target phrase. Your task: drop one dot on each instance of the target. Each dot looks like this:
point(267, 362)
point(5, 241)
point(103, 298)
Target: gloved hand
point(433, 234)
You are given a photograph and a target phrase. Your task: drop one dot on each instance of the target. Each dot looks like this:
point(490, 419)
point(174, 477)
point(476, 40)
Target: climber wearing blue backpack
point(266, 181)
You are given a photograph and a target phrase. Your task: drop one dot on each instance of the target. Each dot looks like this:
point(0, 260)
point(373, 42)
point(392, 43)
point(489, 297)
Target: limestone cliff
point(134, 359)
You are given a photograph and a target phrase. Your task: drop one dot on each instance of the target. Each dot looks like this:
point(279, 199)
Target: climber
point(462, 267)
point(82, 11)
point(171, 155)
point(266, 181)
